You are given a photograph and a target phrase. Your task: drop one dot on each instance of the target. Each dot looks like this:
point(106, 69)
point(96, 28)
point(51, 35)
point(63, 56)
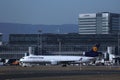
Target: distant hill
point(15, 28)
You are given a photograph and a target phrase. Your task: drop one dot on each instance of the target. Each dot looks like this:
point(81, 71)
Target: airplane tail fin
point(94, 51)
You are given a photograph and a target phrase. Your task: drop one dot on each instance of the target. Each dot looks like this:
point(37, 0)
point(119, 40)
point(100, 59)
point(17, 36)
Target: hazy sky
point(52, 11)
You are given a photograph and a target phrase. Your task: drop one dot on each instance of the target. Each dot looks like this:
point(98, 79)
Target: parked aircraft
point(60, 59)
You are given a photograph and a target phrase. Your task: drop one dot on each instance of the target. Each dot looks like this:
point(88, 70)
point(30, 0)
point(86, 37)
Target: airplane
point(61, 59)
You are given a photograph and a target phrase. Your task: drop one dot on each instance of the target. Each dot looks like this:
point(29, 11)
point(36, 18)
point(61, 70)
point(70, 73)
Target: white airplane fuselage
point(55, 59)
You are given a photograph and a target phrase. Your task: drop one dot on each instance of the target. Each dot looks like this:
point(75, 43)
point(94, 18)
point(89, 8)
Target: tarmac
point(60, 73)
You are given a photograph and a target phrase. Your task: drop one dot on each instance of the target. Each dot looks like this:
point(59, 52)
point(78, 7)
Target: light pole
point(40, 41)
point(118, 42)
point(59, 45)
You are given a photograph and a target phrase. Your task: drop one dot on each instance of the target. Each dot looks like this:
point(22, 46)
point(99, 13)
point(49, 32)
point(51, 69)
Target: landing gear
point(25, 64)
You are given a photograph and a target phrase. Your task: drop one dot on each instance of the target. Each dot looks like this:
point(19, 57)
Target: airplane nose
point(21, 60)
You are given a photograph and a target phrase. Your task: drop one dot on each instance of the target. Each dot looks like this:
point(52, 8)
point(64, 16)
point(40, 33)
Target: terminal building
point(72, 42)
